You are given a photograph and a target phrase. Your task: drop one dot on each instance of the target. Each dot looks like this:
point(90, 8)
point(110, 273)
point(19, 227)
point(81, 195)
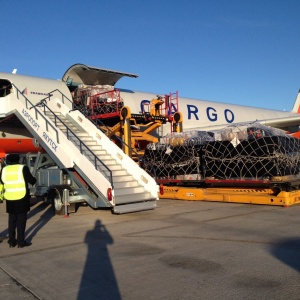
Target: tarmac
point(179, 250)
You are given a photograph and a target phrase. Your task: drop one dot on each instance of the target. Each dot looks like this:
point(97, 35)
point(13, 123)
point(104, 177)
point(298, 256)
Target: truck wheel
point(55, 198)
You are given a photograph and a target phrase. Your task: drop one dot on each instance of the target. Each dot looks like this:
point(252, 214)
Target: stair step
point(112, 168)
point(67, 124)
point(125, 184)
point(100, 152)
point(96, 147)
point(103, 156)
point(88, 143)
point(119, 173)
point(122, 178)
point(83, 134)
point(129, 198)
point(108, 162)
point(91, 153)
point(133, 207)
point(129, 191)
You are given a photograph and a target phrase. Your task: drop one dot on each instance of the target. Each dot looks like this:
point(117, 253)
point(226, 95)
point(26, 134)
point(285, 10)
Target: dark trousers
point(17, 222)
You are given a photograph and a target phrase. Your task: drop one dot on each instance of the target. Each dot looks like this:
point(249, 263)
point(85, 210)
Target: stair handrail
point(82, 145)
point(142, 161)
point(38, 112)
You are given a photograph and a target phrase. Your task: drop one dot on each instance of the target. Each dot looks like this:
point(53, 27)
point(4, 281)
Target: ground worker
point(15, 178)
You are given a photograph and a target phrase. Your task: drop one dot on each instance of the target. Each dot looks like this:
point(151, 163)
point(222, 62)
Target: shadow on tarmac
point(43, 220)
point(31, 232)
point(288, 251)
point(98, 278)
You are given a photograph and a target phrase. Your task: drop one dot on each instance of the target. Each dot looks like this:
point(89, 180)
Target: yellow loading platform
point(264, 196)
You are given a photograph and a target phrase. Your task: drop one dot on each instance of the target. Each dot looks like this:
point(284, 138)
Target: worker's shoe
point(12, 244)
point(26, 244)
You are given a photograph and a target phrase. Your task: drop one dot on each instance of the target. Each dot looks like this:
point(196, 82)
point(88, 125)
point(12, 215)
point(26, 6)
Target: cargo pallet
point(283, 193)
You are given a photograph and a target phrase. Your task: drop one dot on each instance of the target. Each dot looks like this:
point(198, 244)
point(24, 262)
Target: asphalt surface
point(180, 250)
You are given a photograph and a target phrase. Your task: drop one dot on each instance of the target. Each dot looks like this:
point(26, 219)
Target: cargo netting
point(98, 99)
point(241, 151)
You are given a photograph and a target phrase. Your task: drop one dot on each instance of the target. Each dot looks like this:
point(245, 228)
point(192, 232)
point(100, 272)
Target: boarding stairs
point(75, 143)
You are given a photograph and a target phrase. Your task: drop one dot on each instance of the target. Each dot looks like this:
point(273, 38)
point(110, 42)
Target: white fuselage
point(206, 115)
point(197, 114)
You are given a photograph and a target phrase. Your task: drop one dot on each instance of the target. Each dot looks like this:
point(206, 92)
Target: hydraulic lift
point(138, 130)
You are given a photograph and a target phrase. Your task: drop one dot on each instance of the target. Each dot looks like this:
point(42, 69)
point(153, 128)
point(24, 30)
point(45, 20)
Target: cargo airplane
point(196, 114)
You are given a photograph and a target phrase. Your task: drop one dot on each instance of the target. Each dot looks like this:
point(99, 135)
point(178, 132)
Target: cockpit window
point(5, 87)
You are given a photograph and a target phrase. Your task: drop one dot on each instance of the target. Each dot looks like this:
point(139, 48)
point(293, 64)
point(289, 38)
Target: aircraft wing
point(283, 123)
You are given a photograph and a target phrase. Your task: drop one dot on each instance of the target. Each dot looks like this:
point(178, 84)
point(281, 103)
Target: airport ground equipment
point(246, 163)
point(103, 104)
point(138, 130)
point(259, 192)
point(93, 168)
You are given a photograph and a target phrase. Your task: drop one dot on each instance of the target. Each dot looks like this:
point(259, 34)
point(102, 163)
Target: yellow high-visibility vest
point(14, 183)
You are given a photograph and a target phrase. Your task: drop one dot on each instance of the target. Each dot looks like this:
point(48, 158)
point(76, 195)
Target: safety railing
point(83, 148)
point(69, 133)
point(29, 105)
point(97, 122)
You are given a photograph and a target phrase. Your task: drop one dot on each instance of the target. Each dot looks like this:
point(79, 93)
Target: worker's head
point(12, 159)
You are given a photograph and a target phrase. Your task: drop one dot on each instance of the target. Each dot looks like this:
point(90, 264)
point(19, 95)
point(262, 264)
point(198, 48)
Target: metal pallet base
point(235, 195)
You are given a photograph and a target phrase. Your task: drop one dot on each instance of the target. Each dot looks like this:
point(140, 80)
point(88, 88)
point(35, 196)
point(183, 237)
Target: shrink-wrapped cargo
point(240, 151)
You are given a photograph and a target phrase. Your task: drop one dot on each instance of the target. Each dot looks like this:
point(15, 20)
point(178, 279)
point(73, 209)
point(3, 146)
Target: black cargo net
point(242, 151)
point(177, 156)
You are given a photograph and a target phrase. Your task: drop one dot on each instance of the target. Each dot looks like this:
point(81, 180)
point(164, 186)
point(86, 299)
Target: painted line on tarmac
point(15, 280)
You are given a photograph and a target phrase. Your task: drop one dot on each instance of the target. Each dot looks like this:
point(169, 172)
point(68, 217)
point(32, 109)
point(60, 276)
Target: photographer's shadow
point(98, 278)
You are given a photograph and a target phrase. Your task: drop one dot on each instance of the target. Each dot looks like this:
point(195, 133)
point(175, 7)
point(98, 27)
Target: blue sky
point(235, 51)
